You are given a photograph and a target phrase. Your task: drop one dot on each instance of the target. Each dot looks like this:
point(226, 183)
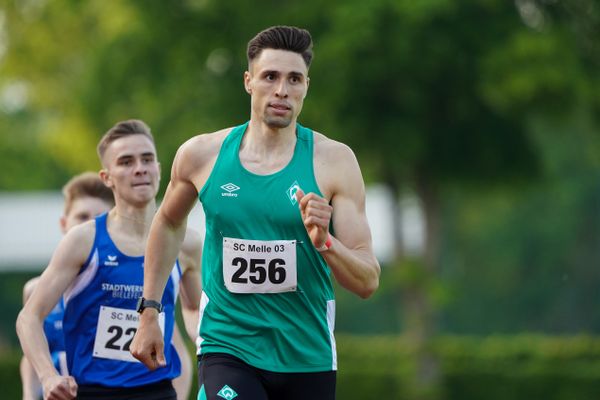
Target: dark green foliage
point(11, 295)
point(523, 259)
point(518, 367)
point(10, 380)
point(502, 367)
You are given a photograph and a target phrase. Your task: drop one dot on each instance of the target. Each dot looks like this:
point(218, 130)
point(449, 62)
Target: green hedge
point(10, 380)
point(504, 367)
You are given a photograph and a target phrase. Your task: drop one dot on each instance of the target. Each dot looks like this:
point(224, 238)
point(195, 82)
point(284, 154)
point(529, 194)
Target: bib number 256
point(259, 272)
point(255, 266)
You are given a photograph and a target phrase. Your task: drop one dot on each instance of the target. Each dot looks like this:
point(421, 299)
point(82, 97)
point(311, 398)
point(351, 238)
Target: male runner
point(98, 266)
point(85, 196)
point(272, 190)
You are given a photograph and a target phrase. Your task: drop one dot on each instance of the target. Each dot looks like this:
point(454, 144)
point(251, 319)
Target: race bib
point(256, 266)
point(115, 330)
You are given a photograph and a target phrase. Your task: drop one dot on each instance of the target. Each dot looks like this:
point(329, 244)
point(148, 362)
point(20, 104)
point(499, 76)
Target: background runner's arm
point(190, 259)
point(66, 262)
point(189, 295)
point(183, 383)
point(30, 382)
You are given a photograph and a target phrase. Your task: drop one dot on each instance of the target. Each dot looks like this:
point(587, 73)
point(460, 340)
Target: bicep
point(181, 194)
point(349, 215)
point(179, 199)
point(64, 266)
point(29, 287)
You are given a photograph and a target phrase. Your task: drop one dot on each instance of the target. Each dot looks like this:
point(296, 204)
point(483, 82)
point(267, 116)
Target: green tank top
point(267, 293)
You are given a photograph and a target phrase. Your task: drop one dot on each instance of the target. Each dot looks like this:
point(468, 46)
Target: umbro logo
point(229, 189)
point(112, 261)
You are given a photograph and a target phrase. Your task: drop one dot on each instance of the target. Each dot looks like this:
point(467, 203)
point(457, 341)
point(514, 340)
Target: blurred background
point(476, 124)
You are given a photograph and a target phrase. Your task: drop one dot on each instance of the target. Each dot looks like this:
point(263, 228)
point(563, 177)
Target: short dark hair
point(121, 129)
point(282, 37)
point(87, 184)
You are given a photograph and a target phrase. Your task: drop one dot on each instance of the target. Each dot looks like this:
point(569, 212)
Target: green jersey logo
point(291, 192)
point(227, 393)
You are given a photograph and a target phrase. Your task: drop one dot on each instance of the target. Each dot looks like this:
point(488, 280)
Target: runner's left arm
point(350, 254)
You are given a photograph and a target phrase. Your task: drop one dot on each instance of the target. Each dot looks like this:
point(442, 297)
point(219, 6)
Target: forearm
point(190, 293)
point(357, 270)
point(190, 320)
point(164, 241)
point(30, 382)
point(34, 344)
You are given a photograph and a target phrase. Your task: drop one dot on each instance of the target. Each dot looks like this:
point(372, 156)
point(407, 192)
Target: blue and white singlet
point(100, 318)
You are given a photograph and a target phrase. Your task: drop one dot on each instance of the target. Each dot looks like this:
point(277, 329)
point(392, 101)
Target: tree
point(441, 94)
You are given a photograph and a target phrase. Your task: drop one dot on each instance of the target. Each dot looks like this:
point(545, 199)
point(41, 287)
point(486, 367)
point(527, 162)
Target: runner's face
point(83, 209)
point(131, 169)
point(277, 82)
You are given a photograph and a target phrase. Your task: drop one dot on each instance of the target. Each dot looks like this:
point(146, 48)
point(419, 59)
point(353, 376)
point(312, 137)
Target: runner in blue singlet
point(85, 196)
point(98, 267)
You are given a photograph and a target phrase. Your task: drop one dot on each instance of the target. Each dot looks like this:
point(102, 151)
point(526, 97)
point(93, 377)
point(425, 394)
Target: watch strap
point(147, 303)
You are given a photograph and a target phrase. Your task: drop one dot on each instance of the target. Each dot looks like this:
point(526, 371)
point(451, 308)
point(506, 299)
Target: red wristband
point(326, 245)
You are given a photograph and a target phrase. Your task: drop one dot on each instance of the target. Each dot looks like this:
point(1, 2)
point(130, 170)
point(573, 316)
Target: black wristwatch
point(145, 303)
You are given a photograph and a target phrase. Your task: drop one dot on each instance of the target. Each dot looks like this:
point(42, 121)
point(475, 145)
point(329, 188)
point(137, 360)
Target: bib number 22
point(115, 330)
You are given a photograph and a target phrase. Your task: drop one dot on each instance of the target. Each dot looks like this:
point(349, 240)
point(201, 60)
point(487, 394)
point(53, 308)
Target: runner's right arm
point(164, 242)
point(31, 386)
point(30, 383)
point(66, 262)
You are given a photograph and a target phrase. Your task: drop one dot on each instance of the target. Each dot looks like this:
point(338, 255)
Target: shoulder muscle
point(333, 159)
point(195, 158)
